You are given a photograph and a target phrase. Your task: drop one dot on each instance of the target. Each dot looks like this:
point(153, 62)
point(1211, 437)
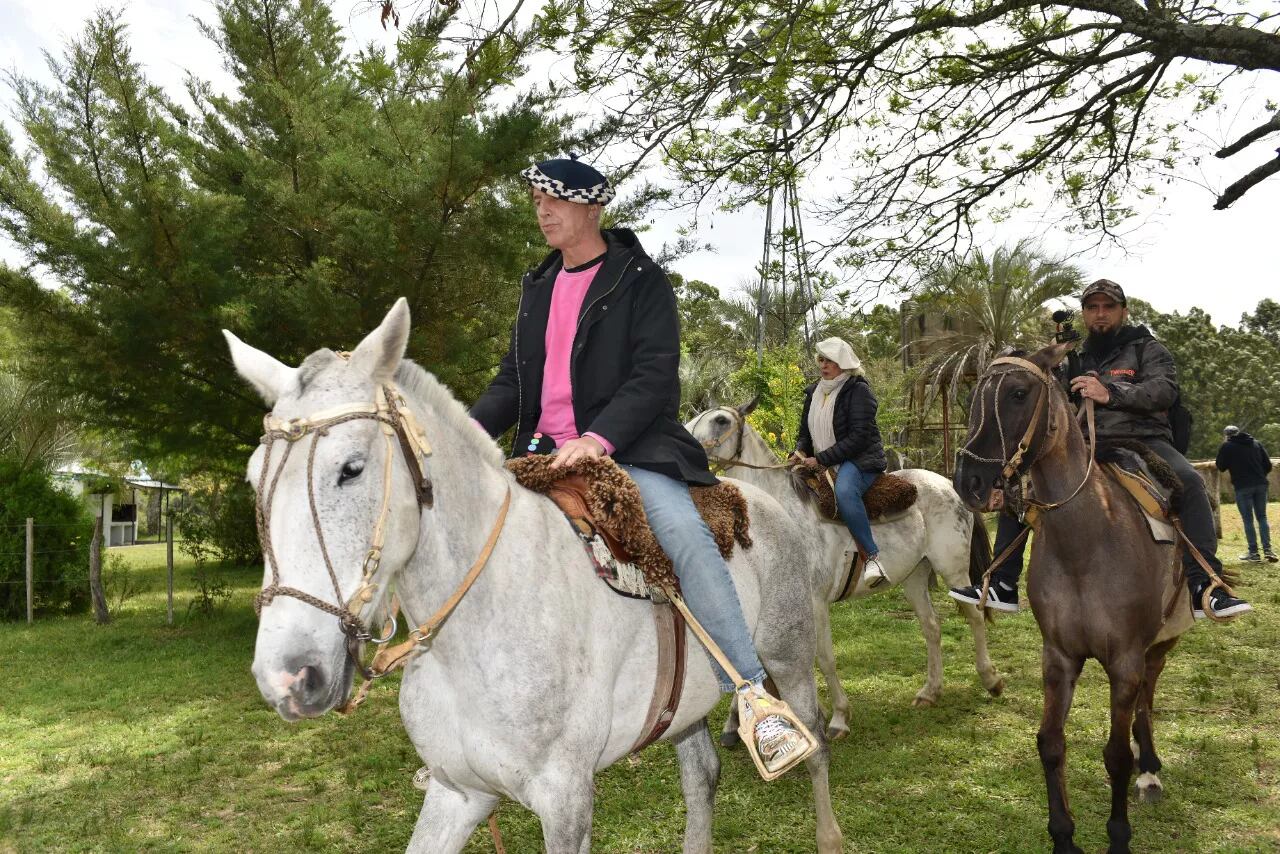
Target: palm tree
point(989, 304)
point(37, 425)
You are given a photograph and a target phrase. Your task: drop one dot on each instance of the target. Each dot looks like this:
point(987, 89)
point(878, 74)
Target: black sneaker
point(1221, 602)
point(1000, 596)
point(1270, 555)
point(1250, 557)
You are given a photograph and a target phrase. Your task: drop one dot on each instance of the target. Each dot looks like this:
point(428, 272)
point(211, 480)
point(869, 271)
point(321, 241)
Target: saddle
point(1148, 480)
point(603, 506)
point(888, 498)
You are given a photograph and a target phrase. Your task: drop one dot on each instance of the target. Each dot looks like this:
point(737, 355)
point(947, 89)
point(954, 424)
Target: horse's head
point(333, 484)
point(1012, 423)
point(720, 429)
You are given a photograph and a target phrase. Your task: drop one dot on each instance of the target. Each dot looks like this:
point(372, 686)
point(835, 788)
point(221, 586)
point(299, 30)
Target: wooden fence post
point(169, 559)
point(31, 567)
point(100, 613)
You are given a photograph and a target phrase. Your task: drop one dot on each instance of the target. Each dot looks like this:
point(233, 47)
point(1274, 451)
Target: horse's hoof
point(1150, 794)
point(730, 740)
point(997, 689)
point(835, 734)
point(923, 702)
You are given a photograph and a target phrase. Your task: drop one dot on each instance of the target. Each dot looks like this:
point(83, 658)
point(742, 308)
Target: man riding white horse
point(593, 367)
point(1132, 380)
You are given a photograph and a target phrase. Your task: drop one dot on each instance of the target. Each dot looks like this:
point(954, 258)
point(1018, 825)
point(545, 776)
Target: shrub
point(63, 530)
point(217, 522)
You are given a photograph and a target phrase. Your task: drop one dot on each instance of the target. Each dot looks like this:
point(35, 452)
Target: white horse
point(541, 676)
point(937, 534)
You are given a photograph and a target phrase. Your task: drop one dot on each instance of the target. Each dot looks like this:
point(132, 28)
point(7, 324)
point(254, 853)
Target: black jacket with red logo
point(1139, 372)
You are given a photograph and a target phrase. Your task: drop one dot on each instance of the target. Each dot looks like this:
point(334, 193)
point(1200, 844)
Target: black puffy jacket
point(624, 369)
point(1139, 372)
point(854, 423)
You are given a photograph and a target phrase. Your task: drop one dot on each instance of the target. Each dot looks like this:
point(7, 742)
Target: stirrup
point(747, 724)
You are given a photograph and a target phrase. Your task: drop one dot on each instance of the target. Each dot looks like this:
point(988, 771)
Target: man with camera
point(1132, 380)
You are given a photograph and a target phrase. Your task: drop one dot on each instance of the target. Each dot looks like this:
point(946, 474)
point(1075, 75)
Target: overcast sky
point(1185, 253)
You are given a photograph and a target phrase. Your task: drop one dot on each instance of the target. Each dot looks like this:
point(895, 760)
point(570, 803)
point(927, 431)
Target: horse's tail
point(979, 555)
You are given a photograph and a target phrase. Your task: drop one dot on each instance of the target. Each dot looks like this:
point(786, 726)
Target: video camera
point(1065, 331)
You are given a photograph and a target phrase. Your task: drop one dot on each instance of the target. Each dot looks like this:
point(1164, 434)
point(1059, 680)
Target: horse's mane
point(422, 388)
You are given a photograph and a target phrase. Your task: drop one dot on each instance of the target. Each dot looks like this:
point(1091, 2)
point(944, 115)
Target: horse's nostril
point(975, 484)
point(308, 683)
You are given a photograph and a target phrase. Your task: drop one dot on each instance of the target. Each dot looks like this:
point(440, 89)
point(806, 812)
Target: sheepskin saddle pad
point(1147, 478)
point(889, 495)
point(603, 505)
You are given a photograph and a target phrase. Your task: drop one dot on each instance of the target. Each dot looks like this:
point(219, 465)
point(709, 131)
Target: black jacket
point(1139, 372)
point(854, 422)
point(624, 369)
point(1246, 459)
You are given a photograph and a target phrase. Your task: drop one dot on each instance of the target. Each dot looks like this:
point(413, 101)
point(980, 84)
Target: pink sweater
point(557, 419)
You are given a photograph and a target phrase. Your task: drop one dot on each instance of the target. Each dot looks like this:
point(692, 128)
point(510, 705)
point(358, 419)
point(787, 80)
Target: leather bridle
point(722, 464)
point(1015, 464)
point(399, 426)
point(398, 423)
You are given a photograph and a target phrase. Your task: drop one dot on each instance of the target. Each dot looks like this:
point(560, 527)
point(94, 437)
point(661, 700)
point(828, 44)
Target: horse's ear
point(1050, 356)
point(750, 406)
point(379, 354)
point(272, 378)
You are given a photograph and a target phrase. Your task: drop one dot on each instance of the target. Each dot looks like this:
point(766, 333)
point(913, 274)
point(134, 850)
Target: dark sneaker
point(1000, 596)
point(1221, 602)
point(1270, 555)
point(1250, 557)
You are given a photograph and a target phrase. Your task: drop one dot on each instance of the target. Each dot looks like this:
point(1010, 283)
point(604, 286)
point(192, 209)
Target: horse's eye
point(1019, 394)
point(722, 420)
point(350, 471)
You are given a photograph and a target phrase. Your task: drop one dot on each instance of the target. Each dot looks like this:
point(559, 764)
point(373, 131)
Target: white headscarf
point(823, 405)
point(838, 350)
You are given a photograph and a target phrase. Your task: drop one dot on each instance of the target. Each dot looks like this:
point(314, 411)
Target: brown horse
point(1099, 586)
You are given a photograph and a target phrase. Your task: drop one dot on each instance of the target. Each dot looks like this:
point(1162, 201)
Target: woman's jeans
point(705, 582)
point(1253, 500)
point(851, 483)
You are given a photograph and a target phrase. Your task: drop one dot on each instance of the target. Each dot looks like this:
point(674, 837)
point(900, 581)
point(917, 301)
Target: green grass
point(142, 736)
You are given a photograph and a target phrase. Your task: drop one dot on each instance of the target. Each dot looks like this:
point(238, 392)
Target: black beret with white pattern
point(571, 180)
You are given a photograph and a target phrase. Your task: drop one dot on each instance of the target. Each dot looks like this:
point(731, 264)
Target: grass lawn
point(139, 736)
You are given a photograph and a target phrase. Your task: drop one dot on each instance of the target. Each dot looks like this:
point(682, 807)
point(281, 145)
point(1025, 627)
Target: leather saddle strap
point(668, 684)
point(854, 575)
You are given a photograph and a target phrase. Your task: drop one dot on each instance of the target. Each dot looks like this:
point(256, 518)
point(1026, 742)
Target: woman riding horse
point(593, 365)
point(838, 429)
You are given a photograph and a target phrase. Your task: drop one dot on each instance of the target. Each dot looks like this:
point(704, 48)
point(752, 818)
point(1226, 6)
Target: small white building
point(120, 518)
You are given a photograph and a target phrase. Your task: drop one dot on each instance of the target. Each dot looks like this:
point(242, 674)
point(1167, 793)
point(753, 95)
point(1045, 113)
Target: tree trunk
point(100, 613)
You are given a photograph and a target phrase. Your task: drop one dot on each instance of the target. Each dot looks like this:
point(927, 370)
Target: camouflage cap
point(1105, 286)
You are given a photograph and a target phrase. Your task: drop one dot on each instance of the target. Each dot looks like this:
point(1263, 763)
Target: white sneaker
point(779, 744)
point(422, 778)
point(874, 573)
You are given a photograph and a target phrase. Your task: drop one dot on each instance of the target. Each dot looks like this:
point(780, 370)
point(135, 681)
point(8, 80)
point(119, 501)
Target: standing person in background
point(1247, 461)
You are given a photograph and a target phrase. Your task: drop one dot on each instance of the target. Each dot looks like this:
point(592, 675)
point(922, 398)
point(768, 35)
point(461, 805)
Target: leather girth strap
point(570, 495)
point(668, 684)
point(854, 575)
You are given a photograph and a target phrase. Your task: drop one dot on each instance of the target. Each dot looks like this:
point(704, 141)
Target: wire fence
point(28, 556)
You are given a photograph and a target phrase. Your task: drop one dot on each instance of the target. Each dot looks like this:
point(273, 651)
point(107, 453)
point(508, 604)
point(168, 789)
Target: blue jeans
point(851, 483)
point(705, 582)
point(1253, 500)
